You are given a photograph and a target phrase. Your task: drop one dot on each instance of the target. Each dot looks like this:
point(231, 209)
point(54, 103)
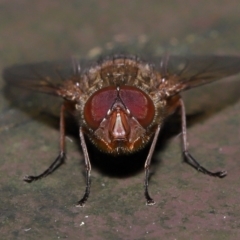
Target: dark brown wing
point(43, 77)
point(187, 72)
point(47, 77)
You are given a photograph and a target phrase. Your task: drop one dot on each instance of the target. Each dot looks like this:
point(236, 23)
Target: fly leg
point(60, 158)
point(187, 156)
point(82, 202)
point(150, 201)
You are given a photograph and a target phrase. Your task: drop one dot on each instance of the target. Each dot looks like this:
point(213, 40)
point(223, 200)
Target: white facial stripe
point(118, 130)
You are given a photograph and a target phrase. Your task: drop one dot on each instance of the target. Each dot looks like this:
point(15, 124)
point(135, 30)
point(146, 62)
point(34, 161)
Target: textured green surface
point(189, 204)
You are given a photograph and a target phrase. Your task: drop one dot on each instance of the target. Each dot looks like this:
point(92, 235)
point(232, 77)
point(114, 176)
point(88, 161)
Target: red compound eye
point(98, 104)
point(138, 102)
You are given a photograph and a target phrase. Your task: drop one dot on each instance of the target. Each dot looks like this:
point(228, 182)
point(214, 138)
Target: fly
point(121, 102)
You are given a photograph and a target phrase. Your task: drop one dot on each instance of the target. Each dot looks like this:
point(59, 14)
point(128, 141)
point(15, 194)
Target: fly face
point(119, 118)
point(121, 102)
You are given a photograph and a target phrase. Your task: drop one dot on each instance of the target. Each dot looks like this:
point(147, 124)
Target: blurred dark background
point(189, 204)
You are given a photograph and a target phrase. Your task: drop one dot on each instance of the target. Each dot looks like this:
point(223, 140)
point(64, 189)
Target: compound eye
point(97, 106)
point(139, 103)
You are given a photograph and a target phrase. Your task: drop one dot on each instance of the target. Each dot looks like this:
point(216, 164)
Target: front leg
point(82, 202)
point(150, 201)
